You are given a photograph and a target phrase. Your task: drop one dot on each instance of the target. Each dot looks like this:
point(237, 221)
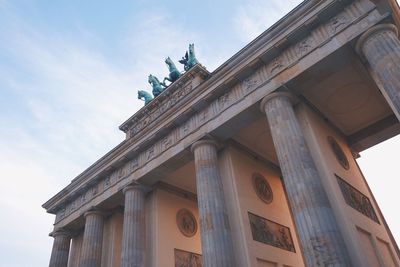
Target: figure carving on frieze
point(174, 73)
point(189, 60)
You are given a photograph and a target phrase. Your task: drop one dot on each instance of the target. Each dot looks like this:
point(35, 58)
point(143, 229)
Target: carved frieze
point(186, 222)
point(250, 83)
point(338, 152)
point(271, 233)
point(187, 259)
point(262, 188)
point(356, 199)
point(338, 22)
point(276, 65)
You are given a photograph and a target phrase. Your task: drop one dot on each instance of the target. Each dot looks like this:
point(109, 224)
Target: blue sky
point(69, 72)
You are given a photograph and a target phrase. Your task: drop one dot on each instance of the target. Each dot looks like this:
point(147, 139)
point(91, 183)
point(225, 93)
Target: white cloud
point(254, 17)
point(69, 110)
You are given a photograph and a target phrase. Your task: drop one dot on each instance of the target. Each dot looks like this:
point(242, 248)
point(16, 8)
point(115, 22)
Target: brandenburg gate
point(252, 164)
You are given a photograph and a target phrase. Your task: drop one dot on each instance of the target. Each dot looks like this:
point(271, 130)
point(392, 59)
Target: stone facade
point(263, 188)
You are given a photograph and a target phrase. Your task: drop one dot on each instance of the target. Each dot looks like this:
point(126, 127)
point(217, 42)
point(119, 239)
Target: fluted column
point(92, 239)
point(321, 240)
point(60, 251)
point(381, 48)
point(215, 232)
point(133, 237)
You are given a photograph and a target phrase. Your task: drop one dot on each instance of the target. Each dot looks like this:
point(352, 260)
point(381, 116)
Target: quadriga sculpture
point(158, 87)
point(174, 73)
point(189, 60)
point(143, 95)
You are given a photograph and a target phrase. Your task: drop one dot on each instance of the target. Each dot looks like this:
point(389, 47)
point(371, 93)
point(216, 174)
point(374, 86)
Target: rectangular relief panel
point(271, 233)
point(187, 259)
point(356, 199)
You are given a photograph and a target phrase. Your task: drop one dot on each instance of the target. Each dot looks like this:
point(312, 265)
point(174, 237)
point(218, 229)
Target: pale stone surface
point(321, 240)
point(164, 231)
point(381, 47)
point(112, 239)
point(237, 168)
point(75, 251)
point(60, 251)
point(133, 235)
point(216, 234)
point(92, 239)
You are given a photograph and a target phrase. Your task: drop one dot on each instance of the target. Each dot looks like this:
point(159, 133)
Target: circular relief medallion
point(186, 222)
point(262, 188)
point(338, 152)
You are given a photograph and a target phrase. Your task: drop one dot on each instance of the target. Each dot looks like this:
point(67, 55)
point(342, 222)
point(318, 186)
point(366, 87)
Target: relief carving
point(262, 188)
point(185, 128)
point(303, 47)
point(107, 182)
point(186, 222)
point(250, 83)
point(150, 153)
point(167, 142)
point(276, 65)
point(338, 152)
point(271, 233)
point(338, 22)
point(203, 115)
point(134, 164)
point(356, 199)
point(187, 259)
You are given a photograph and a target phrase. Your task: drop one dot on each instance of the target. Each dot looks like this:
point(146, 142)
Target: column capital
point(204, 142)
point(95, 211)
point(61, 232)
point(275, 94)
point(370, 32)
point(136, 186)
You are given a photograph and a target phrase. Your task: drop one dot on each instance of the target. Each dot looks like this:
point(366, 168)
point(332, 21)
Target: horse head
point(140, 94)
point(151, 79)
point(168, 61)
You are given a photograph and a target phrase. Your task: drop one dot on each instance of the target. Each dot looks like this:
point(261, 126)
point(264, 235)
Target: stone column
point(60, 251)
point(320, 238)
point(215, 232)
point(92, 239)
point(133, 237)
point(380, 46)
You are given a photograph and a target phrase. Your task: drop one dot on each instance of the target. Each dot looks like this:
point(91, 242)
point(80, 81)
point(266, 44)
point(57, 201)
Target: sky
point(69, 75)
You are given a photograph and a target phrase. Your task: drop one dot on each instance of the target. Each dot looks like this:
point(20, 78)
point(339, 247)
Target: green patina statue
point(158, 87)
point(189, 60)
point(143, 95)
point(174, 73)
